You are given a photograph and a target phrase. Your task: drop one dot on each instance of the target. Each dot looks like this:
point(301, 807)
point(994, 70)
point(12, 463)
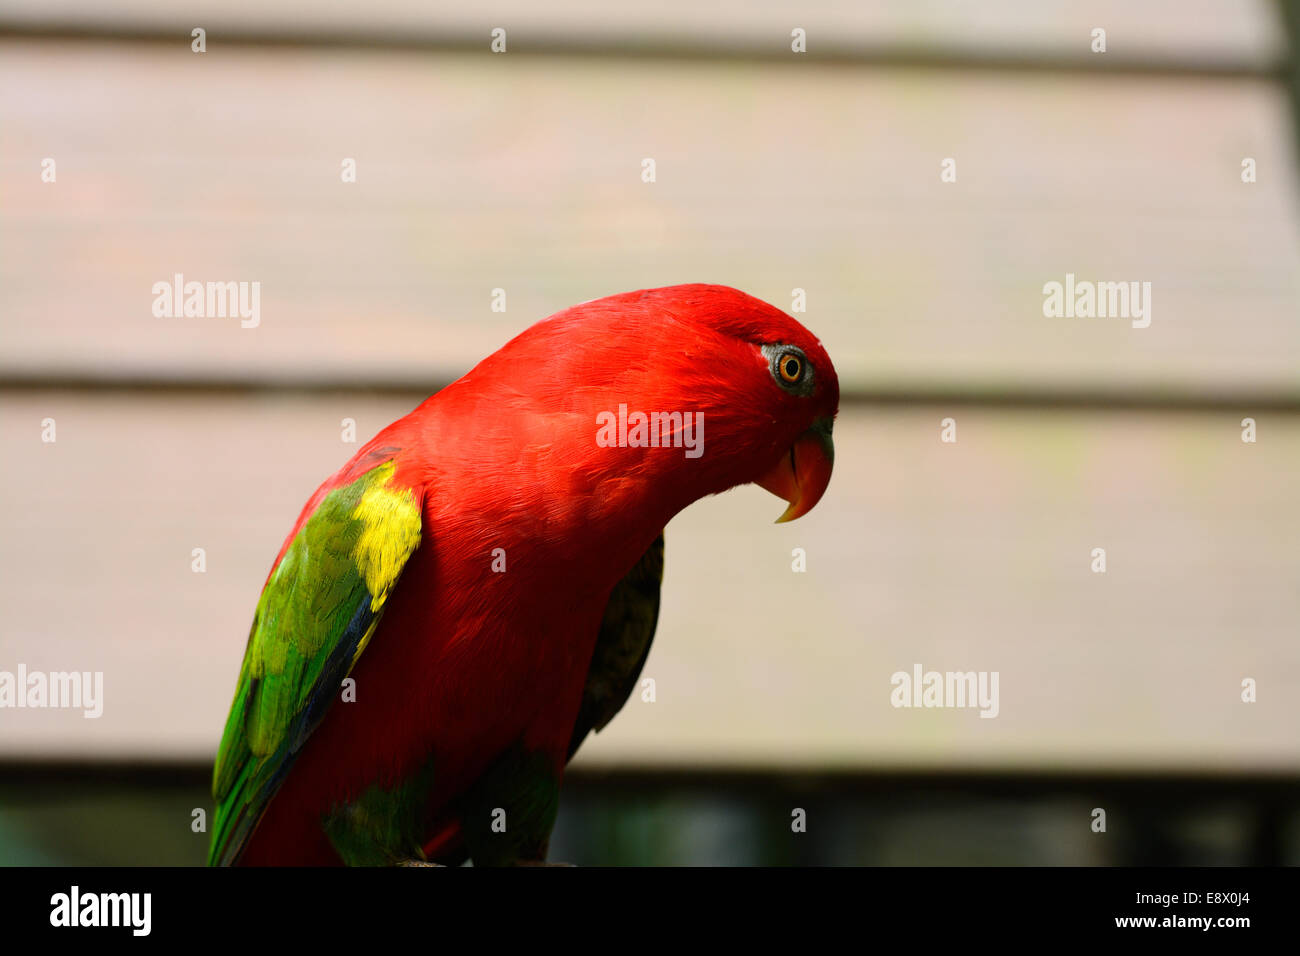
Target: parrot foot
point(418, 863)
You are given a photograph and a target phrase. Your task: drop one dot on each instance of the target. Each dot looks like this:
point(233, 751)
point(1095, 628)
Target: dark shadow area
point(143, 815)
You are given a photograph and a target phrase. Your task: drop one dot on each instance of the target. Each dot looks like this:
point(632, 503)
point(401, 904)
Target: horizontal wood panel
point(1188, 31)
point(479, 172)
point(966, 556)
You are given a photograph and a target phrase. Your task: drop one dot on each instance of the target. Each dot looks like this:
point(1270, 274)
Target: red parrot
point(476, 590)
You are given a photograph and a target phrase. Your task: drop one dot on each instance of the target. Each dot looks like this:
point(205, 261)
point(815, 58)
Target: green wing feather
point(622, 645)
point(315, 616)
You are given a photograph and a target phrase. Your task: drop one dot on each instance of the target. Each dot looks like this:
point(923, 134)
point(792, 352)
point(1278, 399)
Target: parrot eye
point(790, 368)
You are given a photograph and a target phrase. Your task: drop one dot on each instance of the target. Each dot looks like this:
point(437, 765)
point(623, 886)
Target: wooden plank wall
point(479, 171)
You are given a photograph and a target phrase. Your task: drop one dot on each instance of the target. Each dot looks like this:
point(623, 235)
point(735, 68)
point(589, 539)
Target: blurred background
point(775, 171)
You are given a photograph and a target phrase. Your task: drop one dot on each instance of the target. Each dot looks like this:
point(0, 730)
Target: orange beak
point(802, 474)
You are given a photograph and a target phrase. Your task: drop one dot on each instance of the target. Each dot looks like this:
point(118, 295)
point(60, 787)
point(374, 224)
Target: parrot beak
point(802, 474)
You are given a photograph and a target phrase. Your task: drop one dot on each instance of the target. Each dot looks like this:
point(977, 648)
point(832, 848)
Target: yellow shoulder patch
point(391, 523)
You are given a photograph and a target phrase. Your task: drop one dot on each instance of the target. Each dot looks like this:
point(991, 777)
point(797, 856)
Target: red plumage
point(467, 663)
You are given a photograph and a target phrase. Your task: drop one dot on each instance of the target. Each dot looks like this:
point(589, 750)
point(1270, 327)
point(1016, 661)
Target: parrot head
point(688, 390)
point(770, 384)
